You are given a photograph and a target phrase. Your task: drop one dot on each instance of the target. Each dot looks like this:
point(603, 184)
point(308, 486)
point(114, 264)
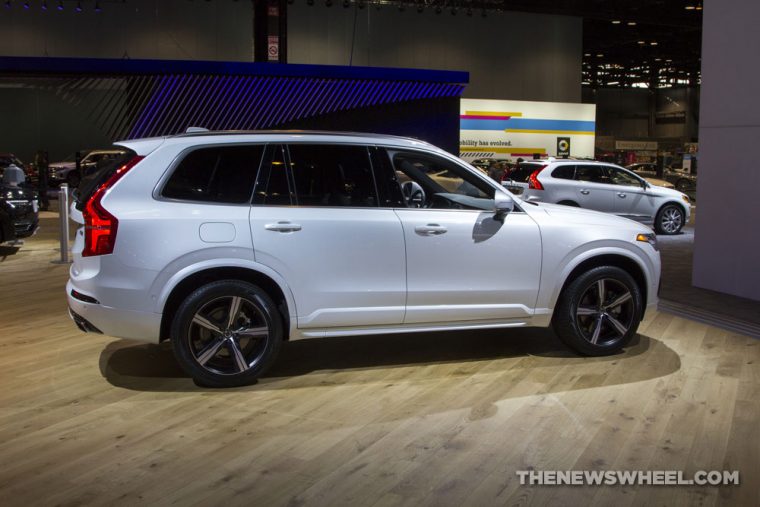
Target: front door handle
point(584, 191)
point(283, 227)
point(430, 230)
point(621, 194)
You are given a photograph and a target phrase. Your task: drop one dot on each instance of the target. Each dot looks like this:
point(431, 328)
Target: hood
point(660, 183)
point(585, 216)
point(668, 192)
point(12, 192)
point(62, 165)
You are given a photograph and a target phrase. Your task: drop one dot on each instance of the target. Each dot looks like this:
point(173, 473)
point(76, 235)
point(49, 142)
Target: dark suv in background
point(19, 209)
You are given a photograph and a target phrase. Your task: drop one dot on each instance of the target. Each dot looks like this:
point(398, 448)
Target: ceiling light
point(641, 42)
point(599, 55)
point(615, 21)
point(653, 43)
point(631, 23)
point(690, 7)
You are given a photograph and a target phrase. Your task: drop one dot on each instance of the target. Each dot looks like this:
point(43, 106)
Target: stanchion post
point(63, 213)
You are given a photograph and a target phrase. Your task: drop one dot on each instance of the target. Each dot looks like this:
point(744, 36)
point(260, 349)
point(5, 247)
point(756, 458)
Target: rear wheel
point(226, 334)
point(669, 220)
point(599, 312)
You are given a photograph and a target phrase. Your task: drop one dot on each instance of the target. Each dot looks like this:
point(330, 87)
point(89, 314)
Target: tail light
point(533, 179)
point(99, 225)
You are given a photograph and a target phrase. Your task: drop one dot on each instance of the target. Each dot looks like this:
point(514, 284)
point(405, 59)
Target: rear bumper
point(95, 317)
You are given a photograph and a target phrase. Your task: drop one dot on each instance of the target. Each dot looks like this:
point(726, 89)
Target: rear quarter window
point(219, 174)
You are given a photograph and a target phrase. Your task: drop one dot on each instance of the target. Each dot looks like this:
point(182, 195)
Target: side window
point(272, 186)
point(564, 172)
point(591, 174)
point(223, 174)
point(332, 175)
point(428, 181)
point(620, 177)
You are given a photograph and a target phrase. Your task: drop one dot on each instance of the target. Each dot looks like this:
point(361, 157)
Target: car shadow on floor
point(395, 358)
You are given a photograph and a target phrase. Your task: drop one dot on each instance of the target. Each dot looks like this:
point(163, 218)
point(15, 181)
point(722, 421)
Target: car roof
point(288, 136)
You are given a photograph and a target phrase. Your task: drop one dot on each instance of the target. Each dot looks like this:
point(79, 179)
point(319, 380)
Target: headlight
point(686, 199)
point(648, 238)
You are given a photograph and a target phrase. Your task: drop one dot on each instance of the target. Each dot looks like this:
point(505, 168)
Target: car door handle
point(584, 191)
point(430, 230)
point(283, 227)
point(621, 194)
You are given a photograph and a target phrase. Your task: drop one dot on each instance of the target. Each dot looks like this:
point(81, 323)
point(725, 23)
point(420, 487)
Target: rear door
point(593, 188)
point(316, 221)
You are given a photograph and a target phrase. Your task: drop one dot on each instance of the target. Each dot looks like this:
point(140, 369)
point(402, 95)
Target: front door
point(632, 200)
point(463, 263)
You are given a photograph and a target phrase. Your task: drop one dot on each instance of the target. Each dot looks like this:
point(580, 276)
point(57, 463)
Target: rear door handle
point(430, 230)
point(621, 194)
point(584, 191)
point(283, 227)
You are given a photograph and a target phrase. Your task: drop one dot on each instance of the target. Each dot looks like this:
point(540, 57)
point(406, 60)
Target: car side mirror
point(503, 204)
point(644, 184)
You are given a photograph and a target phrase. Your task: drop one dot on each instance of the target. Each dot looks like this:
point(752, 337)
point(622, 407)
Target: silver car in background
point(609, 188)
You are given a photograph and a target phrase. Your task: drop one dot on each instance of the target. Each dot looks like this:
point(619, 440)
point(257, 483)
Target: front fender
point(554, 281)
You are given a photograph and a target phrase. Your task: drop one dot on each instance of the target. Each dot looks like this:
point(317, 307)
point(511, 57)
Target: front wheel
point(226, 333)
point(669, 220)
point(599, 312)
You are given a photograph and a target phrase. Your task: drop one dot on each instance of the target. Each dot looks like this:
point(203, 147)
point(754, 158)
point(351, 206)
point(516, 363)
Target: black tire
point(670, 219)
point(73, 180)
point(570, 203)
point(579, 312)
point(217, 351)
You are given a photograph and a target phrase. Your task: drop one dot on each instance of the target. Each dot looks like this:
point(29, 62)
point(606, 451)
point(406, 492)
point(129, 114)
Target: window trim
point(385, 147)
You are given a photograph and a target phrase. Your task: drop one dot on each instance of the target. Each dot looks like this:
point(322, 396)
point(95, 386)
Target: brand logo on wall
point(563, 146)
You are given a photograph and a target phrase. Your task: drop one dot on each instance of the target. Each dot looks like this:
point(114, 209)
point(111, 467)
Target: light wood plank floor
point(437, 419)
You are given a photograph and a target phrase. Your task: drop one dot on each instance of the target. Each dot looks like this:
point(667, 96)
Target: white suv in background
point(229, 243)
point(605, 187)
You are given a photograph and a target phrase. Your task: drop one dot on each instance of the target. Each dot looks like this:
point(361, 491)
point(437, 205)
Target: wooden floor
point(436, 419)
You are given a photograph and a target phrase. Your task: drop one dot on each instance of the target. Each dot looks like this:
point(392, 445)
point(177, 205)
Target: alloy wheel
point(671, 220)
point(605, 312)
point(228, 335)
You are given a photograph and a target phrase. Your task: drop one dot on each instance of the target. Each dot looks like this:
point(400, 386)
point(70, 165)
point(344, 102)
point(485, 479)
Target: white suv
point(603, 187)
point(229, 243)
